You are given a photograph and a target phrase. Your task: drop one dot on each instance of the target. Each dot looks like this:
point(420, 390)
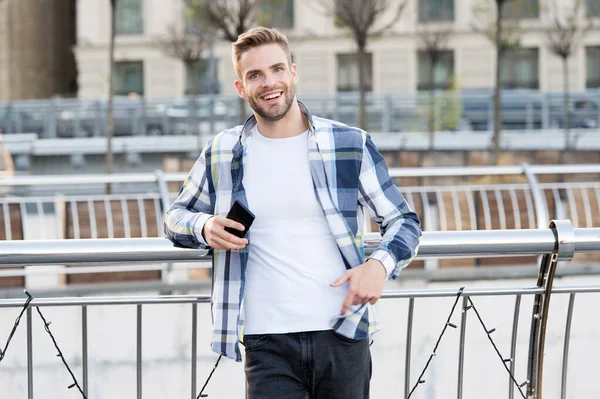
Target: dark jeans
point(306, 365)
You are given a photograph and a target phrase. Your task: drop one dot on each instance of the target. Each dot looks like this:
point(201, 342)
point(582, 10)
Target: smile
point(272, 96)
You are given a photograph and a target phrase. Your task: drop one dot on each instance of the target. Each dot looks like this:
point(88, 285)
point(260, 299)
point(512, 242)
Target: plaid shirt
point(349, 174)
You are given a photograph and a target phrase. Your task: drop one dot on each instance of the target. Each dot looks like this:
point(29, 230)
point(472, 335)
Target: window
point(129, 78)
point(129, 17)
point(520, 69)
point(592, 63)
point(593, 8)
point(347, 79)
point(276, 13)
point(205, 84)
point(436, 10)
point(442, 73)
point(521, 9)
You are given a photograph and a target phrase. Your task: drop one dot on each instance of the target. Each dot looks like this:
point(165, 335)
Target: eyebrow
point(278, 64)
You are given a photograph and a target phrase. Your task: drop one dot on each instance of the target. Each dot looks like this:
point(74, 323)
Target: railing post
point(461, 353)
point(139, 351)
point(194, 347)
point(84, 348)
point(142, 117)
point(388, 109)
point(564, 250)
point(539, 200)
point(409, 328)
point(163, 189)
point(513, 345)
point(490, 122)
point(53, 121)
point(29, 355)
point(545, 111)
point(563, 385)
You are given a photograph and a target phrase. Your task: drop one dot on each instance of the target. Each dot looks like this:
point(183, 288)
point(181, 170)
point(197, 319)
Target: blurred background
point(457, 79)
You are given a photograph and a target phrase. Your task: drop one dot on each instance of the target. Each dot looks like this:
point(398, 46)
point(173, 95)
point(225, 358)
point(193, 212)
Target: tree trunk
point(194, 66)
point(497, 99)
point(362, 87)
point(431, 116)
point(110, 112)
point(566, 113)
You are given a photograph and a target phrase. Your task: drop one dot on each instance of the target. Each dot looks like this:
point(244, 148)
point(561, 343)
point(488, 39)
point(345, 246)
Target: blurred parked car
point(13, 120)
point(90, 119)
point(584, 114)
point(526, 109)
point(176, 116)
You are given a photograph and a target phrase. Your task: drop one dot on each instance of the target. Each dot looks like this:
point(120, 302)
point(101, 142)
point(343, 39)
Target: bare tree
point(566, 30)
point(364, 19)
point(433, 44)
point(230, 18)
point(110, 106)
point(505, 34)
point(188, 48)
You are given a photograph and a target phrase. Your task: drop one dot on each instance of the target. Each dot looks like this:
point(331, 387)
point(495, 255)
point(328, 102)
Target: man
point(296, 290)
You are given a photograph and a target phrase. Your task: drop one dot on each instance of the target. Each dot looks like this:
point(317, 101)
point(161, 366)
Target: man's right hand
point(216, 236)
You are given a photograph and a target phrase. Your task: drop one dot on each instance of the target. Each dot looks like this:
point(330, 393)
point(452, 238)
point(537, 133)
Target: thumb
point(345, 277)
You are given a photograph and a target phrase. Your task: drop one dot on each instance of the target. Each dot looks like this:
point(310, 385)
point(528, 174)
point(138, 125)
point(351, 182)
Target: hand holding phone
point(240, 214)
point(226, 233)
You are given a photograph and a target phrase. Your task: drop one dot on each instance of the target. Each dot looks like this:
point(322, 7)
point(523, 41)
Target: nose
point(268, 80)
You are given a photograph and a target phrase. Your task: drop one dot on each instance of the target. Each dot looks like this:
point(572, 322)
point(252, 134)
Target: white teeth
point(271, 96)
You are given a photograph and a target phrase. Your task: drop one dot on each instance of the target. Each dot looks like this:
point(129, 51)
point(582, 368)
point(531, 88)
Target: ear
point(294, 72)
point(240, 89)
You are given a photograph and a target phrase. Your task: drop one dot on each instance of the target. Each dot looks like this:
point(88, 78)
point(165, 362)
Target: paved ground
point(167, 347)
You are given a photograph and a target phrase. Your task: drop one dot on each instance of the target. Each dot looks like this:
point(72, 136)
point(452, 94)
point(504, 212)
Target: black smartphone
point(240, 214)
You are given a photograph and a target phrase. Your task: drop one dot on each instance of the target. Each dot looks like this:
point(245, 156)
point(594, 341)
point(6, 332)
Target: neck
point(292, 124)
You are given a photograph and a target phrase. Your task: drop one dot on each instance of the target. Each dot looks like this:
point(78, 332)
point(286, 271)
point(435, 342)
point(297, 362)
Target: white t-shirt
point(293, 256)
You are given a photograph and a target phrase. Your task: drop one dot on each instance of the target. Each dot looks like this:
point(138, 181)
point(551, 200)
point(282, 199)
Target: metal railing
point(462, 111)
point(557, 243)
point(470, 199)
point(463, 198)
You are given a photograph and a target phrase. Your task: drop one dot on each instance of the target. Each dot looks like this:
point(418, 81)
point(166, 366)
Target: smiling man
point(297, 290)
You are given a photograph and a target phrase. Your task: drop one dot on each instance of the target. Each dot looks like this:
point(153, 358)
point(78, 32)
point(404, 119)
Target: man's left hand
point(366, 283)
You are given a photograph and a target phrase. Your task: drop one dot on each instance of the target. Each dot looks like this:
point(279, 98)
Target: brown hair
point(256, 37)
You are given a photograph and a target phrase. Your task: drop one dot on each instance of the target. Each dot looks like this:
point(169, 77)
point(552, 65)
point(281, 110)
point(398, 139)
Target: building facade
point(36, 49)
point(324, 52)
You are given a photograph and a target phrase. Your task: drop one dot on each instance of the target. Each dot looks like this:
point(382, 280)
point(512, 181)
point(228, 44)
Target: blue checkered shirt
point(349, 175)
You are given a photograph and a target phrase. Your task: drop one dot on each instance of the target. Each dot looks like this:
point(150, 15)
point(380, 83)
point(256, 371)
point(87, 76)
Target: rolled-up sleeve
point(399, 225)
point(185, 218)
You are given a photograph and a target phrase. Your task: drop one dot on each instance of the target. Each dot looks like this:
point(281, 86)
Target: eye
point(253, 76)
point(278, 69)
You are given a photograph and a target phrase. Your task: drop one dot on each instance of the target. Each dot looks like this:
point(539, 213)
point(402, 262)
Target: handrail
point(394, 172)
point(541, 207)
point(447, 244)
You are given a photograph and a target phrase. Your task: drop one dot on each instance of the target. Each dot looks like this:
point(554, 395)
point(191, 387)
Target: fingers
point(345, 277)
point(347, 303)
point(218, 238)
point(355, 296)
point(220, 243)
point(231, 223)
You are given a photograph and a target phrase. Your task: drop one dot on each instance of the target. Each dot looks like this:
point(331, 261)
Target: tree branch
point(184, 47)
point(564, 34)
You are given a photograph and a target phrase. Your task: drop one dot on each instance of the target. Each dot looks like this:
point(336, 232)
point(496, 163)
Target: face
point(267, 81)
